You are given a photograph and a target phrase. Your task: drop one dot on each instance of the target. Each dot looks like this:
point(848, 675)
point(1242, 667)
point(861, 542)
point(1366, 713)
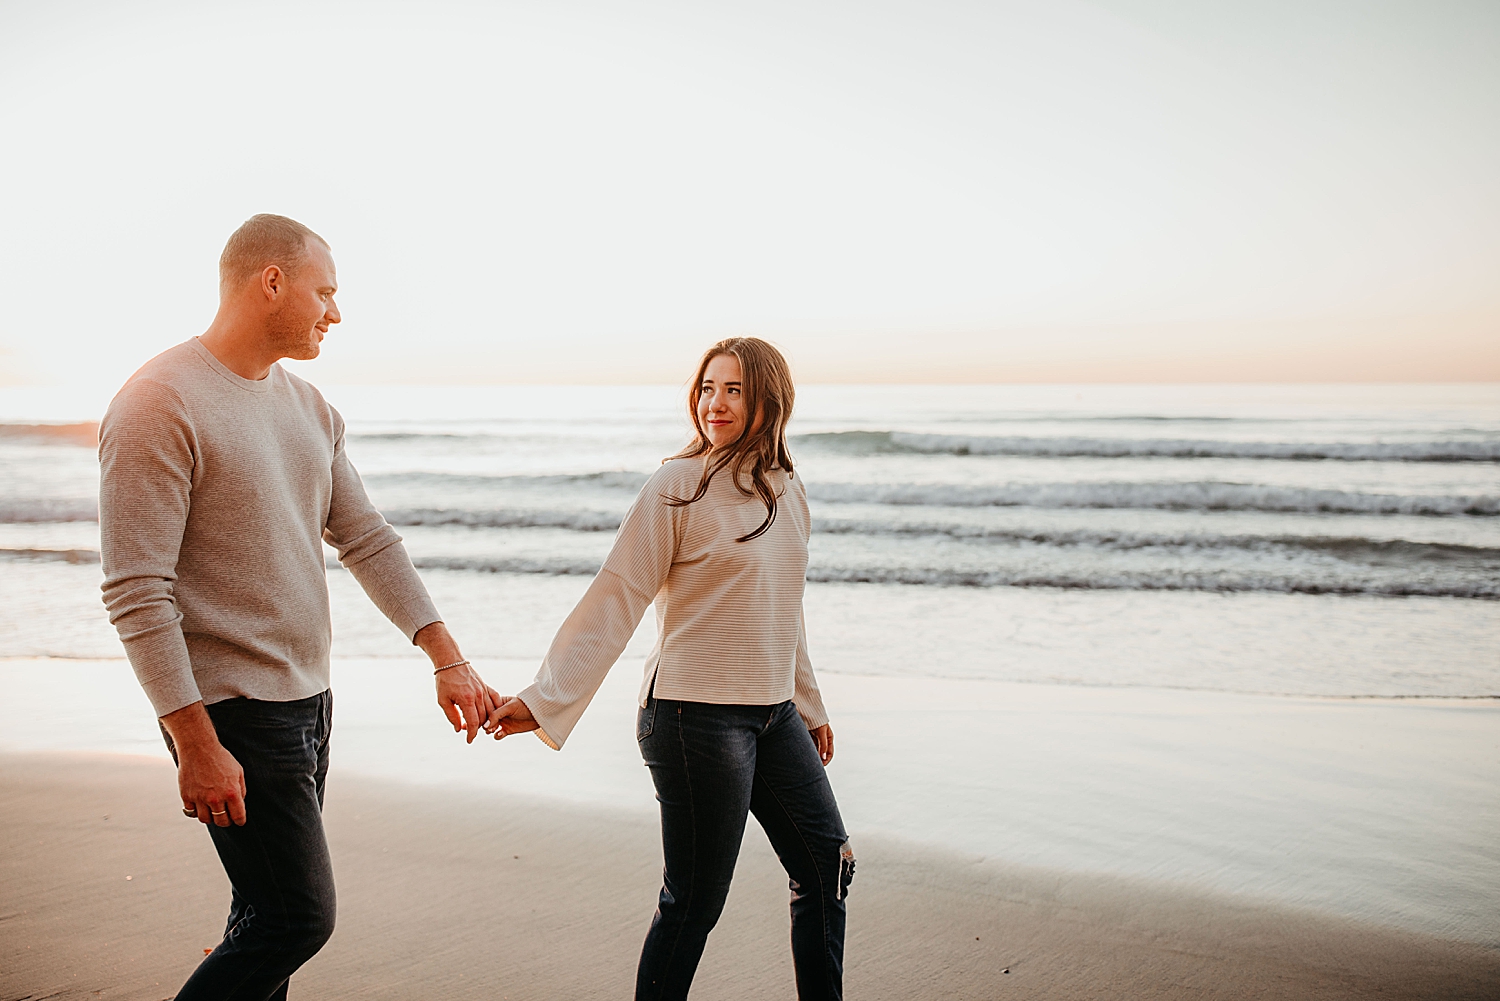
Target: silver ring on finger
point(218, 813)
point(189, 813)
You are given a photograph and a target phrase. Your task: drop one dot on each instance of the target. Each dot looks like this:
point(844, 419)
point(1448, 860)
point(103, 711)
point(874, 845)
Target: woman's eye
point(733, 391)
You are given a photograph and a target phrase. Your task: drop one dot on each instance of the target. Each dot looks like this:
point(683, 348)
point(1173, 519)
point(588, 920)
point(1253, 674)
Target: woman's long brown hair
point(767, 391)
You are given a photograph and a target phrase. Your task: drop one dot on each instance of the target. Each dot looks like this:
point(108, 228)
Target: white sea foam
point(1172, 496)
point(885, 442)
point(1161, 580)
point(45, 510)
point(52, 555)
point(1190, 496)
point(1176, 496)
point(610, 479)
point(577, 521)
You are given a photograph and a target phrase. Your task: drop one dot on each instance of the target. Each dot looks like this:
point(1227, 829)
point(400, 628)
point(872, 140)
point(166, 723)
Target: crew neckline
point(249, 385)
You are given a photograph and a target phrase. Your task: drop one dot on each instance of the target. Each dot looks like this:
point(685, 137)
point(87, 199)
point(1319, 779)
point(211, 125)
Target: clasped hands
point(472, 705)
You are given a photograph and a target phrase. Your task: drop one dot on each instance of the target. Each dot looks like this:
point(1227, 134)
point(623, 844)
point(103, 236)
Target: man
point(221, 477)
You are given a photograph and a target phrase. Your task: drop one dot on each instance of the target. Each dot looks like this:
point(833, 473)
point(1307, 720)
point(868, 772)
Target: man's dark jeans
point(282, 907)
point(712, 765)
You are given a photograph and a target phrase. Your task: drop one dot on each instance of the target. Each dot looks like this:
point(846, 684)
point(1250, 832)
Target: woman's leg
point(794, 803)
point(702, 761)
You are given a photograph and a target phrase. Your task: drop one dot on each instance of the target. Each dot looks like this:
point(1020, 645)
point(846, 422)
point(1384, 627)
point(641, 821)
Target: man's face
point(304, 307)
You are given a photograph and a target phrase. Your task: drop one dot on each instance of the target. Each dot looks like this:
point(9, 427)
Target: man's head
point(281, 273)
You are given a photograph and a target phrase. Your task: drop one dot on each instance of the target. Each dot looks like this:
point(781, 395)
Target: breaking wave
point(1191, 496)
point(1343, 547)
point(1162, 580)
point(577, 521)
point(888, 442)
point(614, 479)
point(74, 556)
point(1153, 581)
point(1170, 496)
point(43, 510)
point(1371, 551)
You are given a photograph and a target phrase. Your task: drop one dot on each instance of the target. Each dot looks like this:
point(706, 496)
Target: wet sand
point(481, 897)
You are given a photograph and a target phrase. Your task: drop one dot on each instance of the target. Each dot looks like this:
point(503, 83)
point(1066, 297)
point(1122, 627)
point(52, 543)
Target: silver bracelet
point(445, 667)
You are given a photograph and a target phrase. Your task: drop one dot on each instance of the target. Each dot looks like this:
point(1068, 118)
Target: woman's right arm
point(594, 634)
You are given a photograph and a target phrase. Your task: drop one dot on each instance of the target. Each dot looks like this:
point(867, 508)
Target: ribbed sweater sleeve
point(808, 699)
point(369, 548)
point(147, 456)
point(595, 633)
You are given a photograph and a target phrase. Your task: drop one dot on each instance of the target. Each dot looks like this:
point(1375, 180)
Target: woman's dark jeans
point(712, 765)
point(282, 907)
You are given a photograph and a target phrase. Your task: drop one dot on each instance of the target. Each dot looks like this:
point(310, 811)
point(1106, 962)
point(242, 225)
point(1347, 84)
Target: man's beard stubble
point(290, 338)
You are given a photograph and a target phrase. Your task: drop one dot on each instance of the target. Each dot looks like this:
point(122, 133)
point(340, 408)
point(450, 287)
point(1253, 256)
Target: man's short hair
point(264, 240)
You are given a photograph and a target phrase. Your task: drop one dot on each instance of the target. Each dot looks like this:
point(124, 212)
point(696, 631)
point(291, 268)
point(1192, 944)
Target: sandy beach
point(110, 893)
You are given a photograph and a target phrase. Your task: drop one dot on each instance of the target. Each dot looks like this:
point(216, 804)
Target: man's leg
point(278, 864)
point(702, 761)
point(794, 803)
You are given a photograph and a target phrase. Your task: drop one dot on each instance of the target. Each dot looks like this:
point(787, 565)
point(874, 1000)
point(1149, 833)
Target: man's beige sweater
point(216, 494)
point(729, 626)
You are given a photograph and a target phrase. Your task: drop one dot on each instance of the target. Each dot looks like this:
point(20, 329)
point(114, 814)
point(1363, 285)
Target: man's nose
point(332, 315)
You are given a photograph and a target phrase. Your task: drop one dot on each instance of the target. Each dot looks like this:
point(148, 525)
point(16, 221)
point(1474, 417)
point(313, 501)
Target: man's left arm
point(370, 549)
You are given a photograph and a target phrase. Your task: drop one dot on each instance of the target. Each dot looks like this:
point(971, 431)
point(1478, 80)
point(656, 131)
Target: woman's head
point(740, 401)
point(743, 389)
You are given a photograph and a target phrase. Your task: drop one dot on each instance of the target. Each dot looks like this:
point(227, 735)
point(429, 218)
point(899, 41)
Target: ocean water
point(1308, 540)
point(1244, 638)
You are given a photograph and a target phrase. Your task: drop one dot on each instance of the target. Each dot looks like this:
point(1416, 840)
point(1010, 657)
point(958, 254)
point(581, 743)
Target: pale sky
point(893, 190)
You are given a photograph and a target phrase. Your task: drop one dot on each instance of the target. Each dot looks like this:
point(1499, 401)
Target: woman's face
point(721, 404)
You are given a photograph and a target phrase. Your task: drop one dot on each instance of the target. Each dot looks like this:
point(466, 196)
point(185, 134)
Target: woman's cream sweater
point(728, 614)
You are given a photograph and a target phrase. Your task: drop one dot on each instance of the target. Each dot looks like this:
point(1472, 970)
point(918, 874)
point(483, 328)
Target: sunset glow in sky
point(912, 190)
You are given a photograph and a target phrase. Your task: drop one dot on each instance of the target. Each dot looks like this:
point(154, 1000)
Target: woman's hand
point(823, 737)
point(510, 716)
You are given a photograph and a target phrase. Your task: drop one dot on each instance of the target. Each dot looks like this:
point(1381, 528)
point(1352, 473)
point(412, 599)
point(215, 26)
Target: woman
point(731, 721)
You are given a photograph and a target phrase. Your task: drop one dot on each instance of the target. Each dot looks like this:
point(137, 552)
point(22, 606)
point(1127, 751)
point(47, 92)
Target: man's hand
point(461, 693)
point(510, 716)
point(210, 781)
point(823, 737)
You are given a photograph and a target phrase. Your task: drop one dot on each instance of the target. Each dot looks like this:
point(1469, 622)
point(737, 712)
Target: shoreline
point(1372, 810)
point(512, 897)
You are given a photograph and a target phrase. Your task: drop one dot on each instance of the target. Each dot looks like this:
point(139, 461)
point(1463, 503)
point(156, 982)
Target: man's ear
point(272, 281)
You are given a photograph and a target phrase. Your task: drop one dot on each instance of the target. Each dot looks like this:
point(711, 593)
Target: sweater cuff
point(161, 664)
point(814, 715)
point(548, 721)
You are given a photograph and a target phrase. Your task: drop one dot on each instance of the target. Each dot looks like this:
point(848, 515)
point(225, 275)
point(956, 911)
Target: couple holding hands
point(222, 475)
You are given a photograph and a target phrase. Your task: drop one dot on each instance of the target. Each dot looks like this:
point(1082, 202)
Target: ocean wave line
point(608, 479)
point(575, 521)
point(897, 442)
point(1486, 589)
point(1344, 547)
point(74, 556)
point(1169, 496)
point(1227, 583)
point(1205, 495)
point(1164, 496)
point(47, 510)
